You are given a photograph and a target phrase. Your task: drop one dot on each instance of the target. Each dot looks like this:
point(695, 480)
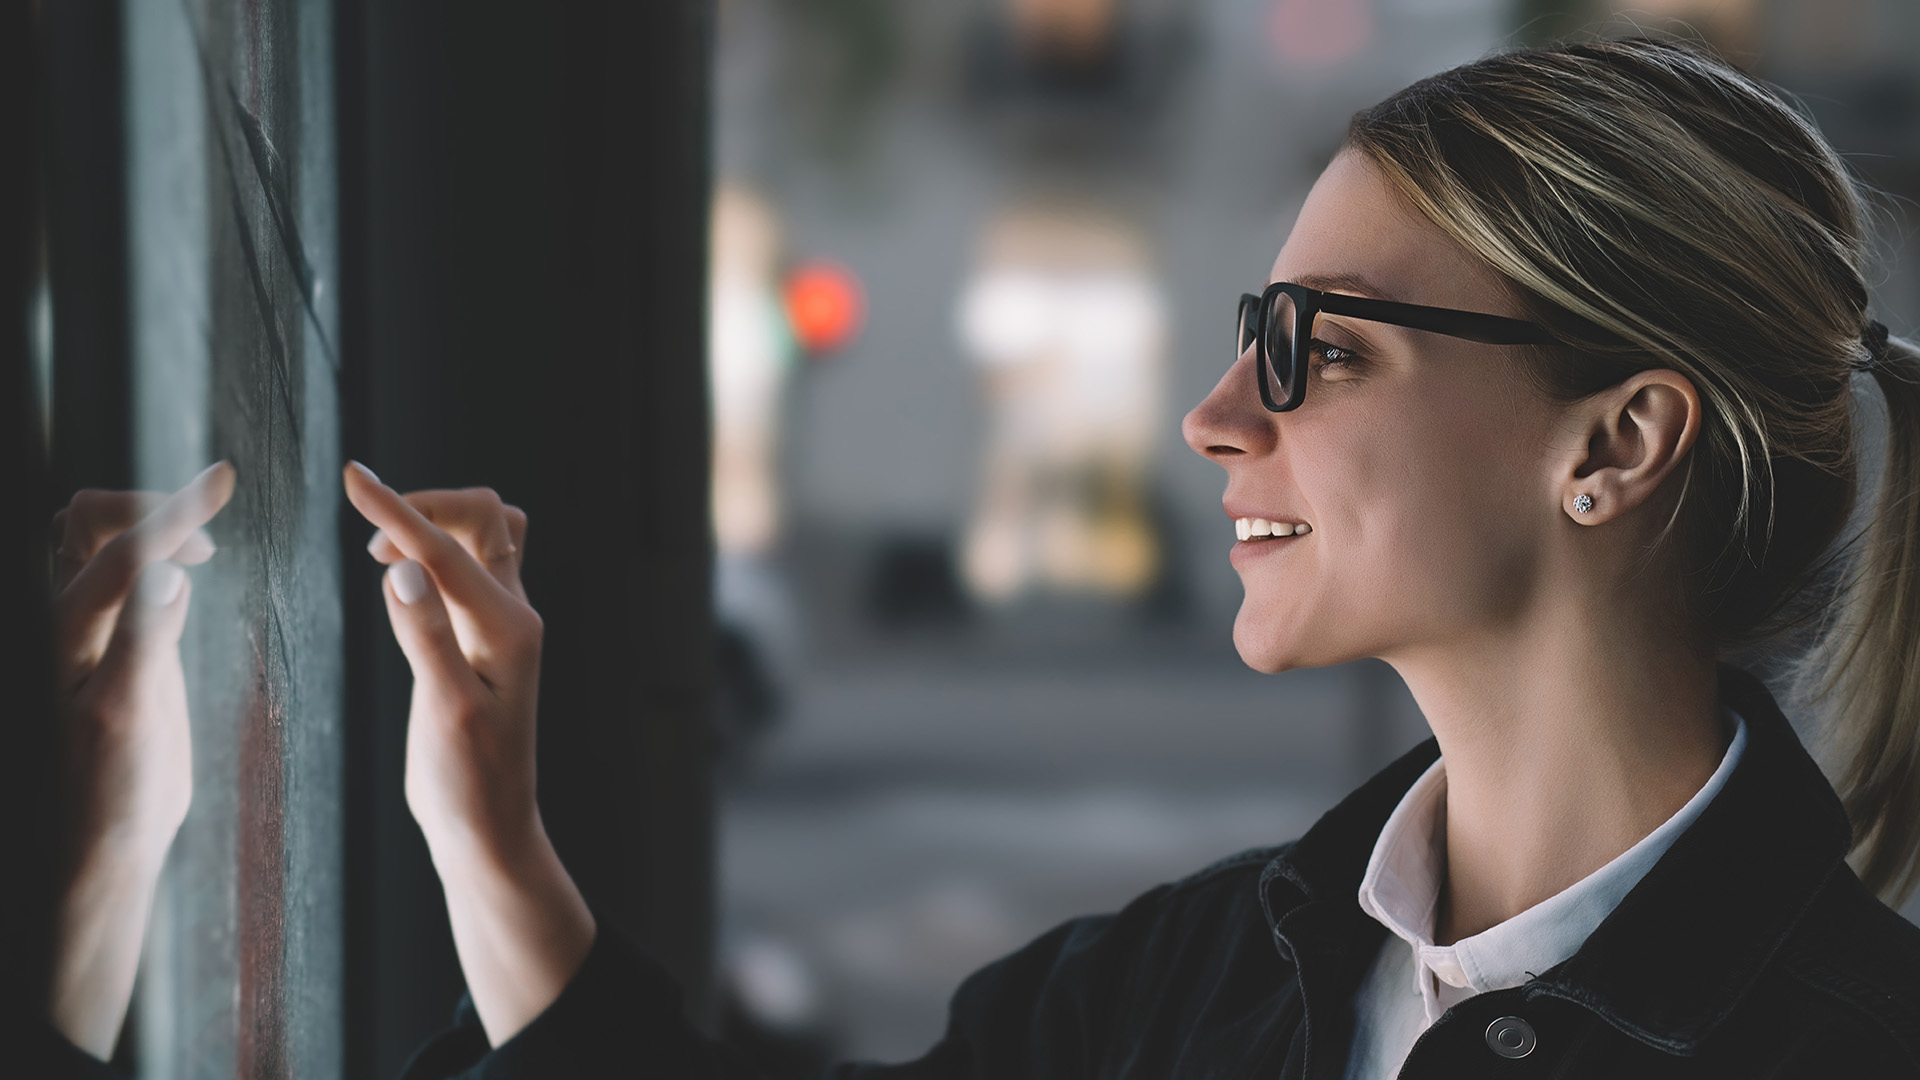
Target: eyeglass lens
point(1276, 352)
point(1278, 323)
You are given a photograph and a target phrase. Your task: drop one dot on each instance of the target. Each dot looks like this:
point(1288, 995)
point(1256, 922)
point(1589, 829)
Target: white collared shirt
point(1413, 981)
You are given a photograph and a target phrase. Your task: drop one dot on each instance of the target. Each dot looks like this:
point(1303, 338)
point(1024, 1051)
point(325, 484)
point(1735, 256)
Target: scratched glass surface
point(231, 247)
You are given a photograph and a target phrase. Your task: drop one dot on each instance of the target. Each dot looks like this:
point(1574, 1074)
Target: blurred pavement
point(911, 821)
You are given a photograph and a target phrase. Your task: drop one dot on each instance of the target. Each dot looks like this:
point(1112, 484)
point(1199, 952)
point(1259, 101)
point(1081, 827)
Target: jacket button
point(1511, 1037)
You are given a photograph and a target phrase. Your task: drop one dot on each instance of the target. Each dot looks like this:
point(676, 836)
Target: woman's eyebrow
point(1343, 283)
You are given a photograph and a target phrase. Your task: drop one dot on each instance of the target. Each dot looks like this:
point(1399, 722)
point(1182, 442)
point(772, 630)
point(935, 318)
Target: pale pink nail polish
point(409, 581)
point(159, 584)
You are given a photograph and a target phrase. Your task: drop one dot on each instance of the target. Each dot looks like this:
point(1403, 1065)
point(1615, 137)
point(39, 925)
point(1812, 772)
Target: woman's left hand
point(119, 608)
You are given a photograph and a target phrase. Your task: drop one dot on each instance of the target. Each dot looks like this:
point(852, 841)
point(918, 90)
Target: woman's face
point(1421, 464)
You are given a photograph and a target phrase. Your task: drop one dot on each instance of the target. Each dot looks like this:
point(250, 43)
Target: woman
point(1550, 406)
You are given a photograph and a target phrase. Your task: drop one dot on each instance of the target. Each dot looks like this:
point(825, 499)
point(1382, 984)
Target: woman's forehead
point(1356, 234)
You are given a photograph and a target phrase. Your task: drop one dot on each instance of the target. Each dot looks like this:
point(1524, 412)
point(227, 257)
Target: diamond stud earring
point(1582, 503)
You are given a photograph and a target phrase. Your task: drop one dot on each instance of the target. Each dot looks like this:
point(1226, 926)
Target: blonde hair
point(1655, 207)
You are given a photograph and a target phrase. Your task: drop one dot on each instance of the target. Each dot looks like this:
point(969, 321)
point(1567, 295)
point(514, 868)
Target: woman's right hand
point(459, 611)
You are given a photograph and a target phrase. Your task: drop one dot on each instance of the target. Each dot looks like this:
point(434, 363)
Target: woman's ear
point(1635, 433)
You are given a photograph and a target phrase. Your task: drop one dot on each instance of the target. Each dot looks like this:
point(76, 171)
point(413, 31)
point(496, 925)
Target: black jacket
point(1749, 950)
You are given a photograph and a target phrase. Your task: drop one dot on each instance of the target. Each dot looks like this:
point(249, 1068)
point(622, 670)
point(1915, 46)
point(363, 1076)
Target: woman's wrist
point(127, 844)
point(519, 923)
point(487, 840)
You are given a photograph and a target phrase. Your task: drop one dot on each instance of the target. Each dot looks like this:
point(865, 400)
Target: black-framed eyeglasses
point(1279, 323)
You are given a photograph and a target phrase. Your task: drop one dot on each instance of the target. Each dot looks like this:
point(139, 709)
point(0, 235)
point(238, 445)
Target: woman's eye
point(1325, 355)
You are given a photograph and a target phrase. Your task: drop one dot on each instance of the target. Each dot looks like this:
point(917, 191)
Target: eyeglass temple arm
point(1467, 325)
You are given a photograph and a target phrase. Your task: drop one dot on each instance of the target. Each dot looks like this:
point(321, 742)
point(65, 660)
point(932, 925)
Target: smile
point(1262, 529)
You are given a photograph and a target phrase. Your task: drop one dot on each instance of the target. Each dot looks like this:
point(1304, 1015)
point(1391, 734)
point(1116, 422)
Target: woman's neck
point(1566, 742)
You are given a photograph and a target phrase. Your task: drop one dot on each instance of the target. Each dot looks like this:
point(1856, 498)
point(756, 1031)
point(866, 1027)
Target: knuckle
point(484, 497)
point(88, 501)
point(524, 632)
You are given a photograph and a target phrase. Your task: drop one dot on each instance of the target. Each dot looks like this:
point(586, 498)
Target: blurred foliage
point(845, 59)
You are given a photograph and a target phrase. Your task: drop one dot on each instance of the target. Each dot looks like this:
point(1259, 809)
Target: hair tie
point(1874, 340)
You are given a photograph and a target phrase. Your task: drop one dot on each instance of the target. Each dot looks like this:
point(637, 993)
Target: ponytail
point(1865, 671)
point(1657, 208)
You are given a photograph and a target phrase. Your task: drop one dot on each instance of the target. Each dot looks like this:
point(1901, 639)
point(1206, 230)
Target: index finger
point(479, 520)
point(90, 604)
point(459, 575)
point(94, 517)
point(160, 533)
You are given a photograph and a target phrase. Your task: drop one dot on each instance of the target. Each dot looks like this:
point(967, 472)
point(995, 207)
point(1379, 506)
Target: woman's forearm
point(102, 923)
point(519, 924)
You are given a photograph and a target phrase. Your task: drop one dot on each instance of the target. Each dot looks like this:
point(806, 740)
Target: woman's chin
point(1272, 642)
point(1263, 648)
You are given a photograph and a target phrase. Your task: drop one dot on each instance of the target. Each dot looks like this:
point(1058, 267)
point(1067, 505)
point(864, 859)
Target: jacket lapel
point(1685, 946)
point(1310, 896)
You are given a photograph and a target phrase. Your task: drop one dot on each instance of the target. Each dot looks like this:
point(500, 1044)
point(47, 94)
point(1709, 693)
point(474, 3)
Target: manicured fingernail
point(373, 541)
point(159, 584)
point(409, 581)
point(366, 471)
point(201, 535)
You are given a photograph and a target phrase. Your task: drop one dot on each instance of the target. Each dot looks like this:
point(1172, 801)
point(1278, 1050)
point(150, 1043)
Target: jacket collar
point(1682, 948)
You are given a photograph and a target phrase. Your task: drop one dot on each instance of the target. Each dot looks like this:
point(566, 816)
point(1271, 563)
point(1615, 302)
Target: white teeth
point(1248, 528)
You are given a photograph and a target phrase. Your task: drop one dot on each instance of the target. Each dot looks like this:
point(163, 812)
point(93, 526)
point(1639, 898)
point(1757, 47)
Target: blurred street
point(917, 818)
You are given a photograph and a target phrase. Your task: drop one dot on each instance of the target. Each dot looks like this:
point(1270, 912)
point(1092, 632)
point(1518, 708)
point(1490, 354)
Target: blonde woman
point(1550, 404)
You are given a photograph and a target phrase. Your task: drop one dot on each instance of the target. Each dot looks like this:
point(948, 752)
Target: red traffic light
point(826, 307)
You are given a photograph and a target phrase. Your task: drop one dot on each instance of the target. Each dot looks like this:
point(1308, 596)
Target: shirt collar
point(1680, 950)
point(1401, 890)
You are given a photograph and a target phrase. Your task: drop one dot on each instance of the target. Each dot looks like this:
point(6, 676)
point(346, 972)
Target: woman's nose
point(1230, 421)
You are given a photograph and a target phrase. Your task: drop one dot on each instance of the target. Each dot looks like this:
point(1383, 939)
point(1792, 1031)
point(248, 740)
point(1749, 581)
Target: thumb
point(423, 628)
point(150, 621)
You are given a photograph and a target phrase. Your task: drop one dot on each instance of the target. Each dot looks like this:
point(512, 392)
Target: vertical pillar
point(527, 311)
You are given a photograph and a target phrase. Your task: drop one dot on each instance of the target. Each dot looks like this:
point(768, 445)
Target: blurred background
point(971, 262)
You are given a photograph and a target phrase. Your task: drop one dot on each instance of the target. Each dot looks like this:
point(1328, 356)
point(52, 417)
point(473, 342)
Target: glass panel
point(230, 194)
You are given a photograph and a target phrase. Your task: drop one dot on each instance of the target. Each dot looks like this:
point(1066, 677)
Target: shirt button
point(1511, 1037)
